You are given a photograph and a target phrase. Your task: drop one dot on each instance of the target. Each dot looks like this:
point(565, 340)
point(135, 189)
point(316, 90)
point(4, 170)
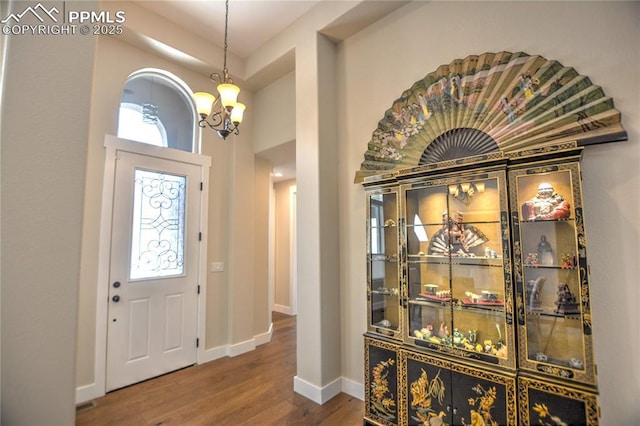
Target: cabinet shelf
point(556, 267)
point(474, 222)
point(569, 219)
point(381, 257)
point(455, 260)
point(455, 305)
point(386, 292)
point(549, 312)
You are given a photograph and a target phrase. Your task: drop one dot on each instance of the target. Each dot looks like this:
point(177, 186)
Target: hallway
point(255, 388)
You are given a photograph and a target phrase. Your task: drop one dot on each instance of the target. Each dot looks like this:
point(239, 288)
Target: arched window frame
point(181, 88)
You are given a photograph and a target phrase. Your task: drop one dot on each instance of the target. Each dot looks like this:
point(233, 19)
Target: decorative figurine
point(430, 289)
point(489, 296)
point(534, 288)
point(576, 363)
point(568, 261)
point(455, 238)
point(444, 331)
point(545, 252)
point(384, 323)
point(458, 337)
point(532, 259)
point(567, 302)
point(546, 205)
point(540, 356)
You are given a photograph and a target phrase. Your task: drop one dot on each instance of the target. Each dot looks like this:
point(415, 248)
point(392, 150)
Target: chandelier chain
point(226, 25)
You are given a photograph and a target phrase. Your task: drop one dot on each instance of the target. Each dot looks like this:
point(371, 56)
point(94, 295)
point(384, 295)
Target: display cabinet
point(383, 262)
point(477, 280)
point(551, 271)
point(458, 273)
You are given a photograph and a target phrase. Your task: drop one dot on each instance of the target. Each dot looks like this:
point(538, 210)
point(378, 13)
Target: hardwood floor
point(255, 388)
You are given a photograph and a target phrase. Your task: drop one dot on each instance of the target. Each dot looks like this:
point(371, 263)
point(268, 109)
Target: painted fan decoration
point(495, 102)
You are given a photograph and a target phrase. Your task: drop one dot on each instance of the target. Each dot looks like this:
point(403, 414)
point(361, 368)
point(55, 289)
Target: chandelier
point(227, 115)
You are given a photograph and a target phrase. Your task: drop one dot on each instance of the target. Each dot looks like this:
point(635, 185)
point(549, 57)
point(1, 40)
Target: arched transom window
point(157, 108)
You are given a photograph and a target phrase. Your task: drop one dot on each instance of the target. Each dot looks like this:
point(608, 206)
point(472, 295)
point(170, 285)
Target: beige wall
point(282, 296)
point(276, 123)
point(600, 40)
point(45, 114)
point(262, 314)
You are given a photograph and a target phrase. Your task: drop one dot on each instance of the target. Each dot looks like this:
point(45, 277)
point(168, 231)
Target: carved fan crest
point(494, 102)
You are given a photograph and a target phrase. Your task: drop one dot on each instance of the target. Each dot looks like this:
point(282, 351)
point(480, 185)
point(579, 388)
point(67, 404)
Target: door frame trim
point(113, 146)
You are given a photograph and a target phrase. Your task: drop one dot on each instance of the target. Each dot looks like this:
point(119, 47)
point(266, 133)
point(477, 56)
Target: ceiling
point(251, 22)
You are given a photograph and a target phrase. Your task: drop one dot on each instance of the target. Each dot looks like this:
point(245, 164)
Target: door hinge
point(201, 186)
point(197, 342)
point(199, 236)
point(198, 288)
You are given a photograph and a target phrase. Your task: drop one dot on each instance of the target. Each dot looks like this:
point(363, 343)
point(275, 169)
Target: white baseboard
point(241, 348)
point(319, 395)
point(263, 338)
point(283, 309)
point(88, 392)
point(353, 388)
point(208, 355)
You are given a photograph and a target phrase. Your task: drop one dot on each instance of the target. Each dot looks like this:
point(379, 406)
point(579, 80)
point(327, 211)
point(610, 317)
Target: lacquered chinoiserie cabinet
point(478, 293)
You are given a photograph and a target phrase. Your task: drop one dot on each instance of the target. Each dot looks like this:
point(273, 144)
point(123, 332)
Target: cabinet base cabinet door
point(482, 398)
point(381, 383)
point(542, 403)
point(439, 392)
point(426, 392)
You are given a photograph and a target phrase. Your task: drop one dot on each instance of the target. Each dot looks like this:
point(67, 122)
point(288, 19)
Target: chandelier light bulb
point(204, 103)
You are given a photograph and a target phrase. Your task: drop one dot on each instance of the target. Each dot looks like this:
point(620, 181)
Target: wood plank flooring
point(255, 388)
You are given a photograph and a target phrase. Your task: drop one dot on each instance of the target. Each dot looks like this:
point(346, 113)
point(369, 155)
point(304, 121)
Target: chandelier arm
point(213, 121)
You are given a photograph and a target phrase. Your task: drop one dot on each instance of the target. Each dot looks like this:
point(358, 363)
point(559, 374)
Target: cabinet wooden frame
point(567, 350)
point(457, 318)
point(384, 251)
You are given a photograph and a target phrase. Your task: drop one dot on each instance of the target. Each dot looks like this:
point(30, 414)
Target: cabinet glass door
point(458, 268)
point(551, 272)
point(383, 262)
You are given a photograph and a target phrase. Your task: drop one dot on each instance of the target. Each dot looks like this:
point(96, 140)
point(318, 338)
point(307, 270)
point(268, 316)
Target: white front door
point(153, 285)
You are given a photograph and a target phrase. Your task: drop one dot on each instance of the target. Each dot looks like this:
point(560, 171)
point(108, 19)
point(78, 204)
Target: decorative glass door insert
point(158, 225)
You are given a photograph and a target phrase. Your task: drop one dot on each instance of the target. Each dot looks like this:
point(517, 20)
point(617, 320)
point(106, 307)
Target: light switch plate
point(217, 266)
